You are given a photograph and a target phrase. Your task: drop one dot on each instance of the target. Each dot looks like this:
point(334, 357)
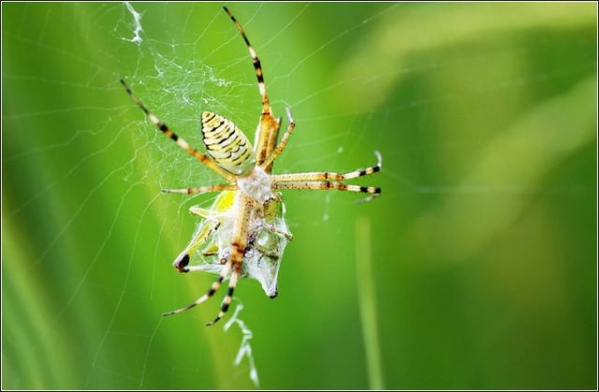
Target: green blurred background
point(483, 244)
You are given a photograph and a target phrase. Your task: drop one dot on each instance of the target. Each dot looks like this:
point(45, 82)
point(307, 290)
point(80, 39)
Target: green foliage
point(483, 243)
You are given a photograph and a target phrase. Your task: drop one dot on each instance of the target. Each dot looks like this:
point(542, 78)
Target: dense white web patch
point(137, 23)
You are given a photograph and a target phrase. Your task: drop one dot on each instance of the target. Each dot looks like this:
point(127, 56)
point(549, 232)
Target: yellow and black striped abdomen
point(227, 145)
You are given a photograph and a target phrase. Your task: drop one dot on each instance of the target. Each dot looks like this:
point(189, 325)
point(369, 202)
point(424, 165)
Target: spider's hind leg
point(213, 288)
point(229, 297)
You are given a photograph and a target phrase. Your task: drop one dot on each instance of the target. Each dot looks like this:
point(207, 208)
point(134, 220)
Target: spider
point(245, 227)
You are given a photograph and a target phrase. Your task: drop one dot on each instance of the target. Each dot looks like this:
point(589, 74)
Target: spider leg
point(329, 180)
point(215, 285)
point(229, 297)
point(268, 129)
point(273, 155)
point(257, 66)
point(182, 143)
point(327, 177)
point(203, 189)
point(329, 185)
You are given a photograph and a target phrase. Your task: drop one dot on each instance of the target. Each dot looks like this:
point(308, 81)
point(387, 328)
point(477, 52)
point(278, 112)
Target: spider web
point(88, 239)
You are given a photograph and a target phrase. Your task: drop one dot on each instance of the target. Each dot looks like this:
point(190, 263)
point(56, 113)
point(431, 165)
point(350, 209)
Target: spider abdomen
point(227, 144)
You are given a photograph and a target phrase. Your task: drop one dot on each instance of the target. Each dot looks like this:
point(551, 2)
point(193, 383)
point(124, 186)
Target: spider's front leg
point(203, 189)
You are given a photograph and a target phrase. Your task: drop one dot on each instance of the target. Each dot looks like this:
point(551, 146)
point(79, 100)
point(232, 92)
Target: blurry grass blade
point(367, 304)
